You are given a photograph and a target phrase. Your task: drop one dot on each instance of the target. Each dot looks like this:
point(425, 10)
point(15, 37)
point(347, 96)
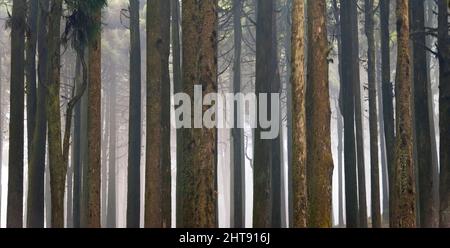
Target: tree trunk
point(238, 163)
point(166, 170)
point(299, 115)
point(388, 104)
point(134, 134)
point(444, 113)
point(422, 117)
point(36, 183)
point(373, 115)
point(198, 207)
point(106, 111)
point(1, 134)
point(56, 164)
point(16, 136)
point(265, 75)
point(94, 127)
point(318, 113)
point(111, 210)
point(404, 190)
point(348, 107)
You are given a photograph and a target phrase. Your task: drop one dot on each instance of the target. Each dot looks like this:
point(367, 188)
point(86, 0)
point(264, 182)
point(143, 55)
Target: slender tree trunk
point(166, 170)
point(199, 145)
point(265, 74)
point(422, 117)
point(318, 113)
point(16, 136)
point(105, 141)
point(36, 183)
point(30, 73)
point(56, 164)
point(94, 127)
point(348, 107)
point(1, 133)
point(134, 134)
point(178, 87)
point(238, 166)
point(404, 191)
point(299, 115)
point(111, 210)
point(358, 120)
point(388, 104)
point(153, 172)
point(373, 115)
point(444, 113)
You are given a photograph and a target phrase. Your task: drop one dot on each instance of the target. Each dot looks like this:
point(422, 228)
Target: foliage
point(81, 25)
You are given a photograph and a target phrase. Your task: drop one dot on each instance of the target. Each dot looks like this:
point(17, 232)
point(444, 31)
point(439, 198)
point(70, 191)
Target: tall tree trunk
point(348, 107)
point(318, 113)
point(36, 183)
point(299, 115)
point(153, 171)
point(198, 207)
point(238, 167)
point(134, 135)
point(94, 126)
point(444, 113)
point(30, 73)
point(56, 164)
point(388, 104)
point(265, 75)
point(16, 136)
point(166, 166)
point(373, 118)
point(422, 117)
point(1, 133)
point(106, 111)
point(111, 210)
point(404, 191)
point(358, 119)
point(178, 87)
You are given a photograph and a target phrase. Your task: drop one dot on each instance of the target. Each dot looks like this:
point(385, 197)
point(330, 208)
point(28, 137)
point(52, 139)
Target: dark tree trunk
point(16, 136)
point(422, 117)
point(444, 113)
point(387, 92)
point(94, 127)
point(238, 162)
point(404, 190)
point(373, 114)
point(134, 134)
point(265, 74)
point(318, 113)
point(36, 183)
point(348, 107)
point(198, 201)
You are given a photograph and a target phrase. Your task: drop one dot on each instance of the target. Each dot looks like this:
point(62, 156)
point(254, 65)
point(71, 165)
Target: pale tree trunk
point(299, 115)
point(135, 118)
point(404, 211)
point(318, 113)
point(112, 206)
point(199, 200)
point(16, 136)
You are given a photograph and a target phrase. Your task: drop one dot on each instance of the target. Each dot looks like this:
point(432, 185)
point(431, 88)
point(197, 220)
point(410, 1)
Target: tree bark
point(318, 113)
point(134, 133)
point(198, 207)
point(348, 107)
point(299, 115)
point(373, 115)
point(111, 221)
point(16, 136)
point(36, 183)
point(404, 191)
point(444, 113)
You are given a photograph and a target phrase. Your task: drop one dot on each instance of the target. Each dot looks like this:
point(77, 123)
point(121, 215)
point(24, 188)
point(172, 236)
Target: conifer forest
point(224, 113)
